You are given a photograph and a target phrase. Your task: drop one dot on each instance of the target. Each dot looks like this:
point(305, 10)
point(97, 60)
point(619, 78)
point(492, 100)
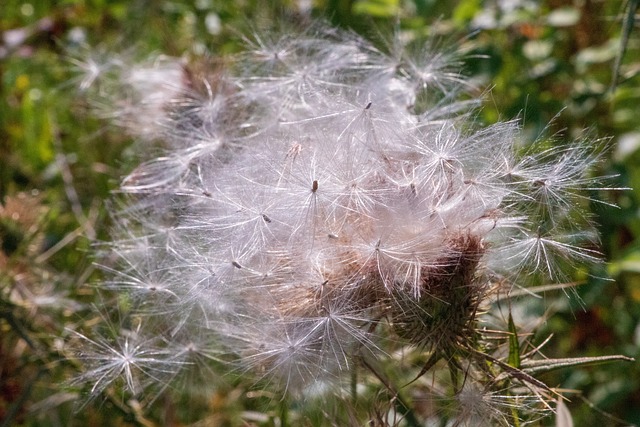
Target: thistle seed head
point(319, 201)
point(443, 317)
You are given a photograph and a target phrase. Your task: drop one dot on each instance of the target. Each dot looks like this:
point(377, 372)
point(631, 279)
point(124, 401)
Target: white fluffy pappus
point(319, 202)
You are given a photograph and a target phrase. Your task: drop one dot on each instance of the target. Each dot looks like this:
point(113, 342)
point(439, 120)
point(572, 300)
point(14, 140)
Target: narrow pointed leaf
point(545, 365)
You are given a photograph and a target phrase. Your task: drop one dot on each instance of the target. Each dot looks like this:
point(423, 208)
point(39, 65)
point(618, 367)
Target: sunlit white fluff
point(319, 199)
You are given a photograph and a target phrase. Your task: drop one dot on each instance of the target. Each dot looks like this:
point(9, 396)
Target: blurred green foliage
point(549, 63)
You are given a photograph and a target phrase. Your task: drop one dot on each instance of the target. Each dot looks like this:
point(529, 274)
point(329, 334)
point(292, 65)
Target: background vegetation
point(574, 64)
